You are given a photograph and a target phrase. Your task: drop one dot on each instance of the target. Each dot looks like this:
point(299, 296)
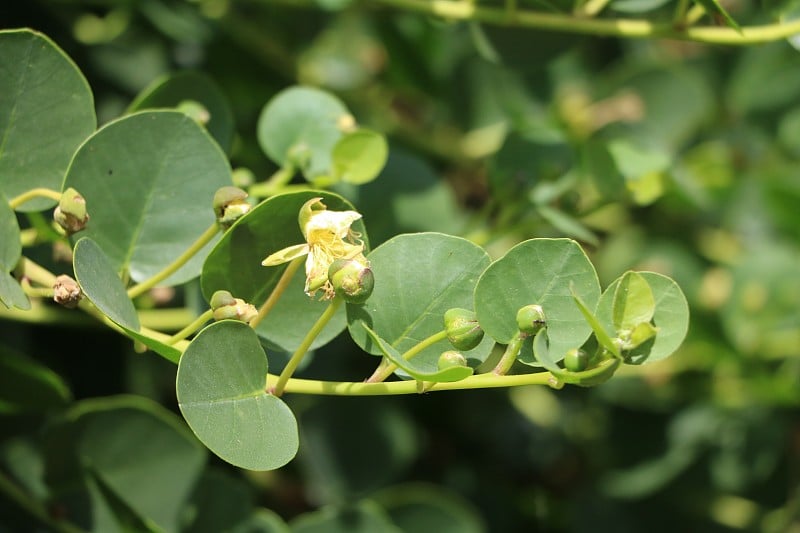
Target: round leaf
point(302, 124)
point(671, 315)
point(46, 111)
point(171, 91)
point(359, 156)
point(539, 271)
point(143, 454)
point(417, 278)
point(221, 392)
point(101, 285)
point(148, 180)
point(235, 265)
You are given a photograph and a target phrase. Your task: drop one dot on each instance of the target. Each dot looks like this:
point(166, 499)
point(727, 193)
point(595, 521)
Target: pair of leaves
point(311, 130)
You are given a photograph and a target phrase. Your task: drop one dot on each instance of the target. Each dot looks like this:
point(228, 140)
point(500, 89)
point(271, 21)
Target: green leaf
point(597, 162)
point(417, 278)
point(171, 90)
point(714, 6)
point(46, 111)
point(11, 294)
point(101, 285)
point(538, 271)
point(363, 517)
point(235, 265)
point(148, 180)
point(359, 156)
point(418, 507)
point(600, 332)
point(671, 315)
point(221, 392)
point(566, 224)
point(420, 373)
point(27, 386)
point(300, 126)
point(633, 302)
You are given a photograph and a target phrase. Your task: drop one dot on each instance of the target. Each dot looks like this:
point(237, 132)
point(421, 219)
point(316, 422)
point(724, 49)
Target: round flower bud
point(451, 358)
point(463, 330)
point(530, 319)
point(195, 111)
point(66, 292)
point(238, 310)
point(230, 204)
point(71, 213)
point(576, 360)
point(221, 298)
point(352, 280)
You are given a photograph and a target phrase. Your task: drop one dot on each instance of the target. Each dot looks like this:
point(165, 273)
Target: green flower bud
point(238, 310)
point(71, 213)
point(451, 358)
point(230, 204)
point(221, 298)
point(576, 360)
point(352, 280)
point(530, 319)
point(463, 330)
point(67, 292)
point(195, 111)
point(299, 155)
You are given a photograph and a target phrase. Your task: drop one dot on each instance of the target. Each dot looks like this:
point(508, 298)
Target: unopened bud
point(352, 280)
point(230, 204)
point(195, 111)
point(576, 360)
point(221, 298)
point(451, 358)
point(71, 213)
point(530, 319)
point(230, 308)
point(66, 292)
point(463, 330)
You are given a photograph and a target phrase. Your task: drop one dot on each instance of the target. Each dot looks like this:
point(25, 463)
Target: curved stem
point(351, 388)
point(510, 355)
point(628, 28)
point(170, 269)
point(297, 356)
point(276, 293)
point(193, 326)
point(385, 369)
point(281, 177)
point(38, 192)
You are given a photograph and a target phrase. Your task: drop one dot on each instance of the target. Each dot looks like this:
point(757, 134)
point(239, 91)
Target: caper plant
point(149, 200)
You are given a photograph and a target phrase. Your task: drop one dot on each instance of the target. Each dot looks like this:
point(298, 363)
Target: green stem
point(276, 293)
point(193, 326)
point(33, 508)
point(680, 13)
point(170, 269)
point(385, 369)
point(298, 355)
point(169, 319)
point(281, 177)
point(627, 28)
point(510, 355)
point(351, 388)
point(36, 292)
point(38, 192)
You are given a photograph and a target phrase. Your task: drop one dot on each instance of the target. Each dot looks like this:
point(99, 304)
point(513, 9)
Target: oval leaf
point(235, 265)
point(149, 180)
point(302, 124)
point(359, 156)
point(539, 271)
point(633, 302)
point(417, 278)
point(221, 392)
point(101, 285)
point(671, 315)
point(46, 111)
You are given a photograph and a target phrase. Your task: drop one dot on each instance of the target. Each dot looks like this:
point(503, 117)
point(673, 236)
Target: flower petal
point(337, 222)
point(286, 255)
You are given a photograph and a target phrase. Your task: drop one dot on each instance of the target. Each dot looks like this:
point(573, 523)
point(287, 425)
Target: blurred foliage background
point(658, 155)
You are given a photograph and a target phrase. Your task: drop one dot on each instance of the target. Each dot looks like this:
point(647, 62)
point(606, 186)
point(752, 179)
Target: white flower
point(328, 238)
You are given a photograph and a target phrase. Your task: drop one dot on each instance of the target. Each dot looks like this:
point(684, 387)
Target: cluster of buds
point(71, 213)
point(225, 306)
